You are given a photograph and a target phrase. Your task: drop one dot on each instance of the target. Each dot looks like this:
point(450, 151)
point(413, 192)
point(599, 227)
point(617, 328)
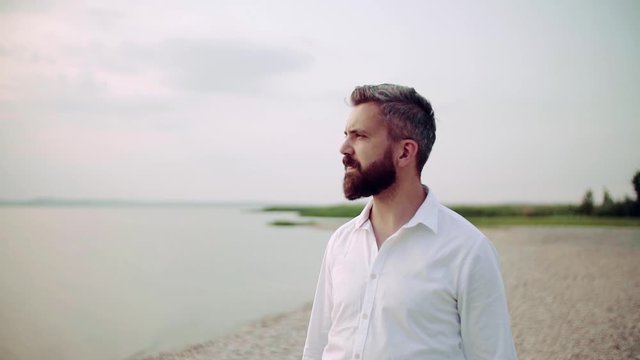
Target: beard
point(372, 180)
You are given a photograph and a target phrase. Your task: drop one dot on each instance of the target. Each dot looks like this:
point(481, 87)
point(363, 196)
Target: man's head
point(390, 126)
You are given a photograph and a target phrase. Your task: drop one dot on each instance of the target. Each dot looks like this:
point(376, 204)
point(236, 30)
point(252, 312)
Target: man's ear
point(408, 150)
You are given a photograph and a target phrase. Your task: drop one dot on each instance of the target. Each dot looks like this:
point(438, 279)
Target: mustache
point(349, 161)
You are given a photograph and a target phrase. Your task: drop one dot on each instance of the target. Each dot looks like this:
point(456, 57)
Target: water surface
point(107, 283)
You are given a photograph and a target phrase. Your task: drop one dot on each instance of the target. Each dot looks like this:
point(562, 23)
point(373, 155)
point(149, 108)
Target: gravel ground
point(574, 293)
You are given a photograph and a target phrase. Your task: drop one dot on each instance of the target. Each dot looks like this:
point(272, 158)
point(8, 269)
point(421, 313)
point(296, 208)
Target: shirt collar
point(364, 215)
point(427, 214)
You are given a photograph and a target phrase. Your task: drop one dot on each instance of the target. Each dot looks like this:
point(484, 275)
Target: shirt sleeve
point(320, 321)
point(482, 305)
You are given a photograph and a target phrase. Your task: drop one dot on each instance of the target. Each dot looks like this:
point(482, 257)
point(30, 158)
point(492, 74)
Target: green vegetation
point(514, 210)
point(347, 210)
point(290, 223)
point(626, 207)
point(552, 221)
point(351, 210)
point(482, 216)
point(587, 213)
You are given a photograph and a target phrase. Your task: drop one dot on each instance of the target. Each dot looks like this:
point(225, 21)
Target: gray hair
point(407, 114)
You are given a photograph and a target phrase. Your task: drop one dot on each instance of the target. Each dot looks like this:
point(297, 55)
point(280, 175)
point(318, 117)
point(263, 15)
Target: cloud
point(134, 78)
point(198, 65)
point(12, 6)
point(42, 97)
point(211, 66)
point(104, 18)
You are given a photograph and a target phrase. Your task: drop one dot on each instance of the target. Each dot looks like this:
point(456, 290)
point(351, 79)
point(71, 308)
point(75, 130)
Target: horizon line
point(124, 202)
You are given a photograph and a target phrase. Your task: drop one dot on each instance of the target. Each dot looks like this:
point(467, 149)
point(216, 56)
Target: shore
point(574, 293)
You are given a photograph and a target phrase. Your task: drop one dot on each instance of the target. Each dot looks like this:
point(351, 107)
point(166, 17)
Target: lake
point(106, 283)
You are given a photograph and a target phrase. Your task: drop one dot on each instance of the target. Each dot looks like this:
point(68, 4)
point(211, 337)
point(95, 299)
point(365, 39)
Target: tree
point(636, 185)
point(586, 206)
point(607, 201)
point(609, 207)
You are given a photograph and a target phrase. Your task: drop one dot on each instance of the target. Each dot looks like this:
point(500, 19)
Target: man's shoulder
point(342, 235)
point(345, 229)
point(456, 226)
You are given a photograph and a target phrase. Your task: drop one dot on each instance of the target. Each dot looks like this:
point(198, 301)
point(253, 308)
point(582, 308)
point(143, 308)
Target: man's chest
point(408, 277)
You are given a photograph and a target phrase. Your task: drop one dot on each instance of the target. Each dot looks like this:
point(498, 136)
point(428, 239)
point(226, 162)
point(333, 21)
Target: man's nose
point(346, 147)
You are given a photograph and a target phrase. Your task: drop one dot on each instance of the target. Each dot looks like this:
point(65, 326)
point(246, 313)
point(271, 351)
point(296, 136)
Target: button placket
point(367, 306)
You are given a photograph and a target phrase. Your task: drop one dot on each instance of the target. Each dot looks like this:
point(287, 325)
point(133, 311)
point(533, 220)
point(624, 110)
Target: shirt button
point(373, 276)
point(356, 356)
point(364, 316)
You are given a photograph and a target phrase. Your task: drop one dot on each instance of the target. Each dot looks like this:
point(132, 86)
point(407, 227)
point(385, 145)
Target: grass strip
point(481, 216)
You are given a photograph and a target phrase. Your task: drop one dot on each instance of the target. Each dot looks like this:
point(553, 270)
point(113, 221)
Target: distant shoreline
point(45, 202)
point(479, 215)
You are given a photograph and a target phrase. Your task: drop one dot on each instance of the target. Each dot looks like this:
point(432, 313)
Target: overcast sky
point(535, 101)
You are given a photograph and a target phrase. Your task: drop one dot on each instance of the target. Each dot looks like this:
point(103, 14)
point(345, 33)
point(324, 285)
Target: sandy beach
point(574, 293)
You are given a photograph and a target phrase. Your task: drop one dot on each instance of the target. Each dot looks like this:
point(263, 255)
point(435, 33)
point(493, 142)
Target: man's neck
point(394, 207)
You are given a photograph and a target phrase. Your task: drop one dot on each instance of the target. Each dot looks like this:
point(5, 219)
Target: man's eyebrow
point(355, 131)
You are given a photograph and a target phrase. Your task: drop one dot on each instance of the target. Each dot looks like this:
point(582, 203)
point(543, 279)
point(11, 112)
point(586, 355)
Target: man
point(408, 278)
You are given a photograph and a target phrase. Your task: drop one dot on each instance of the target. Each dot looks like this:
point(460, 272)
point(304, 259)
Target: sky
point(535, 101)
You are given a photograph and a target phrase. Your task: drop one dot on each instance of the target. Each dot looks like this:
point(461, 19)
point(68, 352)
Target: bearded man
point(408, 278)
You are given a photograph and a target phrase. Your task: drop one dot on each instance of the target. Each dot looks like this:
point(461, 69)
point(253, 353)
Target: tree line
point(627, 207)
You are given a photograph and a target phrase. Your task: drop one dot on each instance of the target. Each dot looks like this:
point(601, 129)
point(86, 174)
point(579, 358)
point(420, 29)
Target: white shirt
point(432, 291)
